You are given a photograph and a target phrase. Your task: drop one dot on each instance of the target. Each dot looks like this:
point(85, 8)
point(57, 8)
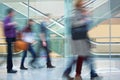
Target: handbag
point(79, 32)
point(19, 44)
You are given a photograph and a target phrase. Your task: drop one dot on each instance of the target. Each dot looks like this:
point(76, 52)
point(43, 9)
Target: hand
point(44, 43)
point(34, 42)
point(14, 23)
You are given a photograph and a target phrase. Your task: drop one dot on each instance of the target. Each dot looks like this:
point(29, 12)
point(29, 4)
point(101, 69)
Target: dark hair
point(31, 20)
point(10, 10)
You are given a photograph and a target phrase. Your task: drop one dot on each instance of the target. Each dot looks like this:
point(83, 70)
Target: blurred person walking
point(28, 37)
point(10, 34)
point(80, 42)
point(44, 40)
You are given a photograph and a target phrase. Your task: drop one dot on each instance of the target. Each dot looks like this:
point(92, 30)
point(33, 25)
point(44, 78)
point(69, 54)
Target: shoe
point(23, 68)
point(12, 71)
point(78, 78)
point(67, 77)
point(50, 66)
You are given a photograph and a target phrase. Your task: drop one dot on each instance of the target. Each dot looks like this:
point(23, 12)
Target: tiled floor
point(102, 67)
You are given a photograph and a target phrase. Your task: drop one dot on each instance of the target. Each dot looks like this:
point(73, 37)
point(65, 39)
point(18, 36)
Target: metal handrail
point(89, 2)
point(103, 37)
point(41, 13)
point(103, 43)
point(94, 42)
point(47, 27)
point(58, 20)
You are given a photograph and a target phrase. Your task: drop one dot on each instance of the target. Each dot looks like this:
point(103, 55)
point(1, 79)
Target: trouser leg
point(69, 68)
point(31, 50)
point(79, 64)
point(90, 61)
point(48, 56)
point(23, 58)
point(9, 55)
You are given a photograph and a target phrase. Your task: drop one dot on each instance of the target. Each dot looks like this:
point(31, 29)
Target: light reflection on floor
point(56, 73)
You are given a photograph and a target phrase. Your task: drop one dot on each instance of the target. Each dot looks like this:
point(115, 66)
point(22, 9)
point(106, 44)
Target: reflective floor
point(102, 68)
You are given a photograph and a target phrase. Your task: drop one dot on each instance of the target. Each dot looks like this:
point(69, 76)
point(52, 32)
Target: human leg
point(9, 56)
point(23, 60)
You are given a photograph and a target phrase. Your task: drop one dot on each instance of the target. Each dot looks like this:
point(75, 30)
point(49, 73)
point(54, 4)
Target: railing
point(42, 14)
point(20, 10)
point(107, 47)
point(60, 19)
point(88, 4)
point(105, 42)
point(57, 45)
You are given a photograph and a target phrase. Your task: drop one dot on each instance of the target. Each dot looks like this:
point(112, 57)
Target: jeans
point(31, 50)
point(69, 67)
point(79, 62)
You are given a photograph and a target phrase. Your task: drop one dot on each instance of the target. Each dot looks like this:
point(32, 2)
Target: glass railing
point(105, 48)
point(23, 9)
point(92, 5)
point(61, 19)
point(56, 46)
point(106, 37)
point(34, 13)
point(44, 15)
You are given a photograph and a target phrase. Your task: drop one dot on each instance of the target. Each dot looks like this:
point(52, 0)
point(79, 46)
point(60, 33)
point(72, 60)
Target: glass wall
point(104, 30)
